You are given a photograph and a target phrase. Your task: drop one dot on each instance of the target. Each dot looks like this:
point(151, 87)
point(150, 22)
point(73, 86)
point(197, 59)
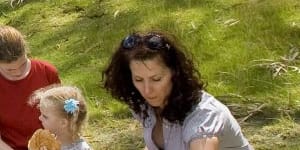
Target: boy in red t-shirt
point(19, 77)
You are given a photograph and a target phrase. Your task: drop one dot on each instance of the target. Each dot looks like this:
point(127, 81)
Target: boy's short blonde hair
point(12, 44)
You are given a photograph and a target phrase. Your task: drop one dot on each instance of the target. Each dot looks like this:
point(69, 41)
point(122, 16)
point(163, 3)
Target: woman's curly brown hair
point(187, 84)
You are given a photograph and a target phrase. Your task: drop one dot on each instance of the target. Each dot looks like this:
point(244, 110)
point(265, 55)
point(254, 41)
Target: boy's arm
point(4, 146)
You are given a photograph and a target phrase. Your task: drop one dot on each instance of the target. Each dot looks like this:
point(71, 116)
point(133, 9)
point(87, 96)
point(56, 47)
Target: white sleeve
point(206, 121)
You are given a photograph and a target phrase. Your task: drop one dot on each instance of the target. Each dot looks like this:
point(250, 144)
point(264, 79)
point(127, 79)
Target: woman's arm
point(205, 144)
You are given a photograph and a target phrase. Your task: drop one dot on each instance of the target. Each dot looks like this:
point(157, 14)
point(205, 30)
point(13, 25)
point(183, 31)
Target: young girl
point(63, 112)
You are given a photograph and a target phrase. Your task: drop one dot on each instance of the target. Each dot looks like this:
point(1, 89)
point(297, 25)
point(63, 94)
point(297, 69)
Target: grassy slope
point(225, 36)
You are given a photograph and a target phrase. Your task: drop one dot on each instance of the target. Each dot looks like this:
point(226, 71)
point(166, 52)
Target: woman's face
point(152, 78)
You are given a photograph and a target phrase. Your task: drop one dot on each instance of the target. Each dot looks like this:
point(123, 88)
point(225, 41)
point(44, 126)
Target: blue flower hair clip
point(71, 105)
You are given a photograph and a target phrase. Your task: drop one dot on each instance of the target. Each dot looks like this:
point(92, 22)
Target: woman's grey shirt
point(209, 118)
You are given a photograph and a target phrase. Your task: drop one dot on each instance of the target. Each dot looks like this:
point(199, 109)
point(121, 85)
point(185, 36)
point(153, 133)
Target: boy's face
point(15, 70)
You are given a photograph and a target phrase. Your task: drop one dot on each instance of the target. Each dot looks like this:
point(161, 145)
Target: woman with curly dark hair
point(152, 74)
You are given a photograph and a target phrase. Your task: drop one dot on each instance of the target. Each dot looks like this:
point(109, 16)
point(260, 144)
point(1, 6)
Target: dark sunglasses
point(152, 41)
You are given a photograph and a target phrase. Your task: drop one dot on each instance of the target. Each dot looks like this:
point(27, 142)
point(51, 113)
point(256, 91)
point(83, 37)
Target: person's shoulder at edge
point(42, 62)
point(50, 70)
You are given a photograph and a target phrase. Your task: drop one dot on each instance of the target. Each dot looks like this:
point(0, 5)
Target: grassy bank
point(247, 51)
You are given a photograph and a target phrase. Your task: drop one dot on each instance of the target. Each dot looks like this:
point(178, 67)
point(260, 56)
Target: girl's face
point(51, 120)
point(152, 78)
point(16, 70)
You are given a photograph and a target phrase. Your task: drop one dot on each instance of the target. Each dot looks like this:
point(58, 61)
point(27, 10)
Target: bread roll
point(43, 138)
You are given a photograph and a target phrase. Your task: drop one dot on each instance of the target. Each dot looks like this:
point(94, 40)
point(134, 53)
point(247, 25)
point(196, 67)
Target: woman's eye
point(156, 79)
point(138, 80)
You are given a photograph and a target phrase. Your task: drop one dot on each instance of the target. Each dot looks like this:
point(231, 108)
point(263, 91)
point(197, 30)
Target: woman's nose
point(147, 89)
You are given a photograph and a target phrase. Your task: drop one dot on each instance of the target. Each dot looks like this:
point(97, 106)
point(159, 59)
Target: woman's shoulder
point(208, 105)
point(147, 121)
point(211, 118)
point(207, 109)
point(207, 118)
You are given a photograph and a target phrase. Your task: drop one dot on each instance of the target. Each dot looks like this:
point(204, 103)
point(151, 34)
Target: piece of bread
point(43, 138)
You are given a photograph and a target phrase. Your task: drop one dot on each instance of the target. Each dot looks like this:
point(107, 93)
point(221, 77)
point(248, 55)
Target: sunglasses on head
point(152, 41)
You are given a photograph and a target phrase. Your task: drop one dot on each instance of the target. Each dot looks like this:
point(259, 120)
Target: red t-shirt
point(18, 120)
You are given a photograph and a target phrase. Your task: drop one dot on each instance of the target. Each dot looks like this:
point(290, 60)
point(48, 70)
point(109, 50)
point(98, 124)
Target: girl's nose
point(40, 117)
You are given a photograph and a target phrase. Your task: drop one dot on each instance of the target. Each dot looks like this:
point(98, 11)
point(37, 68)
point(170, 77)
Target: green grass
point(224, 36)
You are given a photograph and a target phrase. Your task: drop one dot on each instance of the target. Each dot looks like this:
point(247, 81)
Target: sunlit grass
point(282, 133)
point(225, 38)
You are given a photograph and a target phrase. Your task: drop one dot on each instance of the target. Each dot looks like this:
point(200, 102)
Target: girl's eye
point(44, 116)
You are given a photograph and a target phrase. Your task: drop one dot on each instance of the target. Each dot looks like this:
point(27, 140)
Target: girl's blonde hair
point(56, 96)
